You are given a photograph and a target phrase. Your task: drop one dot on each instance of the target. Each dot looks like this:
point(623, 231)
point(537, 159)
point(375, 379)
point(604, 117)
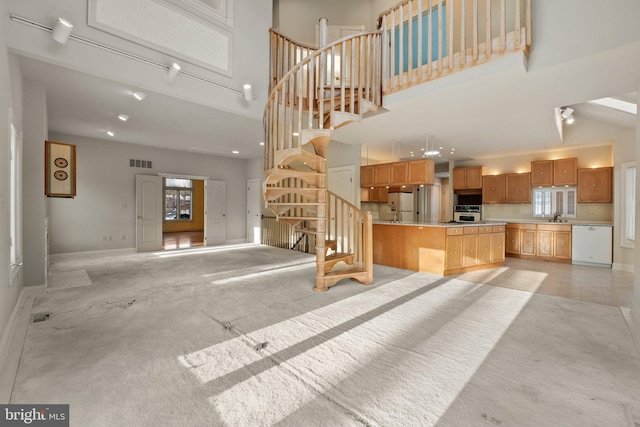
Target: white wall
point(635, 323)
point(105, 201)
point(250, 46)
point(34, 207)
point(8, 99)
point(298, 18)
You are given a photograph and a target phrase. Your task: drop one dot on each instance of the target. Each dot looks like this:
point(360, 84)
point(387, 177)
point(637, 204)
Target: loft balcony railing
point(427, 39)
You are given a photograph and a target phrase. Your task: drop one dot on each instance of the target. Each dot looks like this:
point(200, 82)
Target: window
point(177, 199)
point(628, 175)
point(549, 201)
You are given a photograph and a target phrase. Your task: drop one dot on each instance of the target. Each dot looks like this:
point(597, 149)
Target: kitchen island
point(439, 248)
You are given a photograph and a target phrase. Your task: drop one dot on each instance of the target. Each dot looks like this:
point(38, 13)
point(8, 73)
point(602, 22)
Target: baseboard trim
point(12, 342)
point(235, 241)
point(90, 254)
point(623, 267)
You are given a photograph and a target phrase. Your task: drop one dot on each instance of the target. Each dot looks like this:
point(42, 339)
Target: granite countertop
point(546, 221)
point(442, 224)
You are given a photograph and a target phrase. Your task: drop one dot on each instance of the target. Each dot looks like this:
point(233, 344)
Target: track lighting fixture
point(567, 115)
point(246, 91)
point(173, 71)
point(61, 31)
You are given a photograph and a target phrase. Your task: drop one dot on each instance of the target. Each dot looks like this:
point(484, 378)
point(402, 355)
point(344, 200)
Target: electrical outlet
point(123, 205)
point(104, 238)
point(123, 236)
point(109, 237)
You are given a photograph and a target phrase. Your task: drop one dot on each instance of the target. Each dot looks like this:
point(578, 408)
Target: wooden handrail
point(285, 54)
point(351, 229)
point(308, 91)
point(455, 37)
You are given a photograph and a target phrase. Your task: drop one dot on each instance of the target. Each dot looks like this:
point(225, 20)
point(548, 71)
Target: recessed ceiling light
point(432, 153)
point(261, 143)
point(439, 148)
point(139, 95)
point(422, 149)
point(111, 133)
point(296, 134)
point(453, 149)
point(123, 117)
point(235, 152)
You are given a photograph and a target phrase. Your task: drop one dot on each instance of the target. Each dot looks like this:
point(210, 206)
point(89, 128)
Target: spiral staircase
point(314, 91)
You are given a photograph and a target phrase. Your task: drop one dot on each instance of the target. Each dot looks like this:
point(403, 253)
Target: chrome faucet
point(556, 216)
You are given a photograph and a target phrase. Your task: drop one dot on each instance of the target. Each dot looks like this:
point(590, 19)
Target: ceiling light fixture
point(173, 71)
point(246, 91)
point(139, 95)
point(123, 117)
point(567, 115)
point(61, 31)
point(235, 152)
point(432, 152)
point(111, 133)
point(261, 142)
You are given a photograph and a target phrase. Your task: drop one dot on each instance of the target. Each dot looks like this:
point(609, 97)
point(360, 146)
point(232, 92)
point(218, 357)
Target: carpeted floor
point(235, 336)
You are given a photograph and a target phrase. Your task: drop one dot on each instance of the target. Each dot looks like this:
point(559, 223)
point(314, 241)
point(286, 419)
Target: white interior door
point(253, 211)
point(340, 181)
point(215, 212)
point(149, 213)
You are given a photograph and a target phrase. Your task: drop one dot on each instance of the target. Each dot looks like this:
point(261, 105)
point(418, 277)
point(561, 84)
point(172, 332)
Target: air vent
point(145, 164)
point(41, 317)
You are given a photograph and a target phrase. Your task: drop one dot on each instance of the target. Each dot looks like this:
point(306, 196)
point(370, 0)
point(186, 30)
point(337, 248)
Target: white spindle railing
point(453, 38)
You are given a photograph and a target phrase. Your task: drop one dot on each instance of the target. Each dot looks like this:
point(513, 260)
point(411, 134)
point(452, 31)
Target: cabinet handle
point(493, 188)
point(565, 172)
point(594, 185)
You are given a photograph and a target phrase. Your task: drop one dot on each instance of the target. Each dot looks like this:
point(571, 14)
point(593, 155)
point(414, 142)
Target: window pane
point(175, 182)
point(571, 203)
point(559, 202)
point(185, 204)
point(171, 204)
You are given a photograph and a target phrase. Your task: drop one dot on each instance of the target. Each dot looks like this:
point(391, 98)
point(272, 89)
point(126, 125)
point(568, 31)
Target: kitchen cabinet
point(421, 172)
point(595, 185)
point(399, 171)
point(367, 176)
point(374, 195)
point(565, 171)
point(551, 242)
point(518, 187)
point(438, 249)
point(554, 172)
point(541, 173)
point(468, 178)
point(382, 175)
point(521, 239)
point(398, 174)
point(493, 189)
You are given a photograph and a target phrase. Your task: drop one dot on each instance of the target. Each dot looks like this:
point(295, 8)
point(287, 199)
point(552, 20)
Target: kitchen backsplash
point(585, 212)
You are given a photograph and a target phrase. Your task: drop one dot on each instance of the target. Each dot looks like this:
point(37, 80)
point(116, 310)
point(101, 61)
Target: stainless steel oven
point(467, 213)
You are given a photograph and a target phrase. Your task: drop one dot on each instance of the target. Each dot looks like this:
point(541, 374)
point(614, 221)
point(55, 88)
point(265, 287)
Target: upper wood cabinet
point(518, 187)
point(469, 178)
point(493, 189)
point(595, 185)
point(541, 173)
point(565, 171)
point(421, 172)
point(367, 176)
point(554, 172)
point(398, 174)
point(382, 174)
point(374, 195)
point(399, 171)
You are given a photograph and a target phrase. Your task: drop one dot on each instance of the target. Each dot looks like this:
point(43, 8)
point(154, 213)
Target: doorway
point(179, 211)
point(184, 218)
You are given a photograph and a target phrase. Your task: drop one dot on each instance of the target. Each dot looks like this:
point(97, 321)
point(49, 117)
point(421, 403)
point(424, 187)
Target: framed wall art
point(60, 169)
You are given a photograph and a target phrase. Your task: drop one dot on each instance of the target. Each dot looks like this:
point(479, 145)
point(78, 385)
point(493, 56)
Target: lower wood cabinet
point(551, 242)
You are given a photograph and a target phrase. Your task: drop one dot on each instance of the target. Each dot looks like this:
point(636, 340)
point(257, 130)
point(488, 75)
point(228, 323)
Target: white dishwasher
point(591, 245)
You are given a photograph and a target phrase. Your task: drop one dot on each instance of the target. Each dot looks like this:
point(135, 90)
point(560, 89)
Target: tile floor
point(589, 284)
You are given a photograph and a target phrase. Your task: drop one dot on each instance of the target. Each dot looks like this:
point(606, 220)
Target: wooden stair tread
point(297, 204)
point(345, 272)
point(300, 218)
point(338, 256)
